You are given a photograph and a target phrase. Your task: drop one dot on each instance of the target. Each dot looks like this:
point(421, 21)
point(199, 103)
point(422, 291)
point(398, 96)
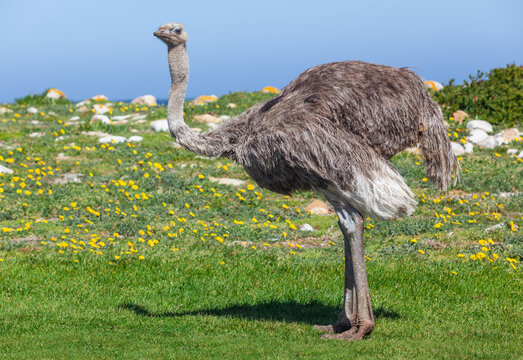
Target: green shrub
point(41, 100)
point(496, 97)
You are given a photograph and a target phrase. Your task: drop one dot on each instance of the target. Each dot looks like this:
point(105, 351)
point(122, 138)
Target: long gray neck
point(179, 68)
point(208, 144)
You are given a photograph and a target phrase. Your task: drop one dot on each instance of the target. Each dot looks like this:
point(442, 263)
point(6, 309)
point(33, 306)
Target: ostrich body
point(332, 130)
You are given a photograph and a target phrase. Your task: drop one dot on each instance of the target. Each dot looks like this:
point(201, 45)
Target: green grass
point(146, 258)
point(256, 305)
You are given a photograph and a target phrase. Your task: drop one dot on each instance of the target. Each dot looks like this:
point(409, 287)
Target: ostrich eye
point(177, 31)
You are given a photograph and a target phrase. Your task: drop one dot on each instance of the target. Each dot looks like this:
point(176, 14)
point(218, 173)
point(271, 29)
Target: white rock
point(520, 155)
point(434, 85)
point(68, 178)
point(512, 151)
point(227, 181)
point(99, 98)
point(95, 133)
point(122, 117)
point(4, 170)
point(160, 125)
point(224, 117)
point(135, 138)
point(231, 105)
point(32, 110)
point(145, 100)
point(82, 103)
point(212, 126)
point(35, 122)
point(101, 108)
point(479, 124)
point(477, 135)
point(469, 148)
point(4, 110)
point(495, 227)
point(306, 227)
point(457, 148)
point(102, 118)
point(112, 138)
point(55, 94)
point(74, 118)
point(137, 117)
point(35, 134)
point(491, 142)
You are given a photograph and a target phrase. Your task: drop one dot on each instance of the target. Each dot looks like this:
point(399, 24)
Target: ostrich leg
point(356, 319)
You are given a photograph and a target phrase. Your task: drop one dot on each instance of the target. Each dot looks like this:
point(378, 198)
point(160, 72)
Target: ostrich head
point(173, 34)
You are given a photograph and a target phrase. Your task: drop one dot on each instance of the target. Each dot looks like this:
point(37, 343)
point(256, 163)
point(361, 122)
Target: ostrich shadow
point(289, 312)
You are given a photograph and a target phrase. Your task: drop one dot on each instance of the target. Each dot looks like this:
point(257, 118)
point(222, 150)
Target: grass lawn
point(147, 258)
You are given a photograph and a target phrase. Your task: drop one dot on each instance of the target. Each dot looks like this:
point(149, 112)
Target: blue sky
point(107, 47)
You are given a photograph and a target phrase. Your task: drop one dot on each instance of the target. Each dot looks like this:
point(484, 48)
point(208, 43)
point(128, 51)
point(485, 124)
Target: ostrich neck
point(179, 67)
point(211, 143)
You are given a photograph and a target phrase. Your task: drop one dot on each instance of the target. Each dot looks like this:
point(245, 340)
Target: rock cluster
point(479, 129)
point(479, 134)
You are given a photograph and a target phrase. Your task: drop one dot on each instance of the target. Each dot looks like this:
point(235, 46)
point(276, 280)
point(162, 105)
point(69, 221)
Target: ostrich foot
point(354, 333)
point(336, 328)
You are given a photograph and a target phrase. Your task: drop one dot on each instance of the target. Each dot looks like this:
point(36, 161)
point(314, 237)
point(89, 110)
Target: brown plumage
point(332, 130)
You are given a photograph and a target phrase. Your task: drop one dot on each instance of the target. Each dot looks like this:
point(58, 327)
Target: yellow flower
point(421, 251)
point(141, 257)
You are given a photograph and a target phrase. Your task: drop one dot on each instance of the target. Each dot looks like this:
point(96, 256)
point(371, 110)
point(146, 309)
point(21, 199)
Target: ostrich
point(332, 130)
